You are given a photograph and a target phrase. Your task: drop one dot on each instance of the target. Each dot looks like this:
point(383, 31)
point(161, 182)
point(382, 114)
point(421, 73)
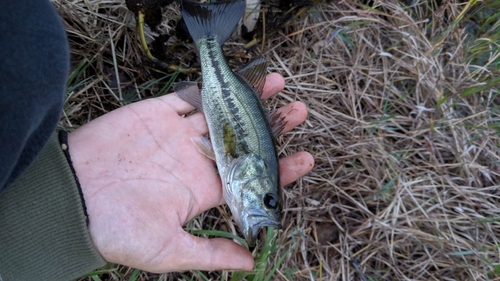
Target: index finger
point(274, 84)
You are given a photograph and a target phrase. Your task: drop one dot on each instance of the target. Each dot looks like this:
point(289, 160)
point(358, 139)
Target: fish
point(242, 133)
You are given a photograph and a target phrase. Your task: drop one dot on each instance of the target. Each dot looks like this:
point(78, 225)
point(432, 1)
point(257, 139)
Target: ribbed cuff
point(43, 230)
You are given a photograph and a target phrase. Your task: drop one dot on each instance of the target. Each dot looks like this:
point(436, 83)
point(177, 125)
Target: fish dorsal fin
point(277, 122)
point(254, 73)
point(190, 92)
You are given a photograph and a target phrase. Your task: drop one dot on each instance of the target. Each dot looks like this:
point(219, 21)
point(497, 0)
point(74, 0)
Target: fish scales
point(240, 134)
point(239, 107)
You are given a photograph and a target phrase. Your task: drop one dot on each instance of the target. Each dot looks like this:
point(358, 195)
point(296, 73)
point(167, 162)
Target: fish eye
point(271, 201)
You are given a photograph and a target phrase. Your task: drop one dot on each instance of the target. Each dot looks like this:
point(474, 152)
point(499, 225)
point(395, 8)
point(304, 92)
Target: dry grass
point(403, 125)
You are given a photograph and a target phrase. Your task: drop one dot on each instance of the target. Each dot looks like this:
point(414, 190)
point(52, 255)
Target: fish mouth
point(253, 231)
point(259, 219)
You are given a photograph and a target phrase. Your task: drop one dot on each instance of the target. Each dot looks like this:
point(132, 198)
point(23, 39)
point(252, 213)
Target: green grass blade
point(218, 233)
point(134, 275)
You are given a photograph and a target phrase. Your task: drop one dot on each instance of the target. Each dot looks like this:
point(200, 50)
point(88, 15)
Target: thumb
point(212, 254)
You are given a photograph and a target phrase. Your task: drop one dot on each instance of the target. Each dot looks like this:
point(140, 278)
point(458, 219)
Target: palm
point(143, 179)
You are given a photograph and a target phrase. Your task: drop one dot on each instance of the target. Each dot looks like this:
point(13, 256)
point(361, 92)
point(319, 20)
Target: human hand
point(143, 179)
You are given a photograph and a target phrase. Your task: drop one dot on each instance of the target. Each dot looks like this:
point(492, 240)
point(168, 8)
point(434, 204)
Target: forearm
point(33, 74)
point(43, 224)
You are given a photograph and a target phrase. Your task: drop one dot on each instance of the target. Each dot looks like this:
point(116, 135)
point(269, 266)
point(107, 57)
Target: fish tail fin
point(215, 20)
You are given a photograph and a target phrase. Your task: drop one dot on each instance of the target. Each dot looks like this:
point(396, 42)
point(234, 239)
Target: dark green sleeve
point(43, 229)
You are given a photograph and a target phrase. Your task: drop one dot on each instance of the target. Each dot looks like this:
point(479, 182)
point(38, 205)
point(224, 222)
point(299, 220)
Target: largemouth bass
point(240, 129)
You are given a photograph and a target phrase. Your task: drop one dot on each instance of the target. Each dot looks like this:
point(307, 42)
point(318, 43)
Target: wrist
point(63, 141)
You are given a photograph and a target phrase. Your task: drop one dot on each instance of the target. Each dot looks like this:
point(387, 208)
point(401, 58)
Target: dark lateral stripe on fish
point(225, 84)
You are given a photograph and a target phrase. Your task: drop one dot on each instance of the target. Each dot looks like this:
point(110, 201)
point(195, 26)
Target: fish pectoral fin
point(204, 146)
point(277, 122)
point(254, 73)
point(190, 92)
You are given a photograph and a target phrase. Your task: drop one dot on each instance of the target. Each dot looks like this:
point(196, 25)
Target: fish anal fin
point(204, 146)
point(190, 92)
point(277, 122)
point(254, 72)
